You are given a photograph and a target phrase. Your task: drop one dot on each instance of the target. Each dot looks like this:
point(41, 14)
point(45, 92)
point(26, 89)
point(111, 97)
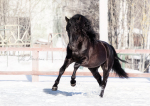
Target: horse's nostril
point(71, 46)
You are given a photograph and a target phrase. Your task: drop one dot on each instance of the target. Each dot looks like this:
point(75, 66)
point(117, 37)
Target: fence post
point(35, 65)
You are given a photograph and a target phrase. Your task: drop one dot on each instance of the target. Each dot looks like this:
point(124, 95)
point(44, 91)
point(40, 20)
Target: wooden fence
point(35, 63)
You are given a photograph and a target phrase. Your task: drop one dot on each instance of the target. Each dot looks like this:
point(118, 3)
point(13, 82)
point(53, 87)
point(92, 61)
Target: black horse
point(86, 50)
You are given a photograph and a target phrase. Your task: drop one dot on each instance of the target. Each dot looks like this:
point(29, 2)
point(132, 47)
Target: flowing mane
point(85, 27)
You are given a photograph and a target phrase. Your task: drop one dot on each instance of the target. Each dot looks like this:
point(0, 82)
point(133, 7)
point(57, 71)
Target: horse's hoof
point(101, 96)
point(73, 84)
point(54, 88)
point(102, 93)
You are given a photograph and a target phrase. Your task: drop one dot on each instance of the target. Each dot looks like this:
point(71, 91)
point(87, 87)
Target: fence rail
point(67, 73)
point(31, 49)
point(126, 51)
point(35, 63)
point(133, 51)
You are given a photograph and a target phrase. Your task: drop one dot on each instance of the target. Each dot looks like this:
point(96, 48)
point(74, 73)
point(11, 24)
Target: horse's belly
point(94, 61)
point(97, 57)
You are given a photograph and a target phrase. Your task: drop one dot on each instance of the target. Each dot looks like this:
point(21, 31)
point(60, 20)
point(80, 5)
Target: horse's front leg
point(73, 81)
point(61, 71)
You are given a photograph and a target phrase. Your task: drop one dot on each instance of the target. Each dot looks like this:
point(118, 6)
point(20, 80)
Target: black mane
point(85, 26)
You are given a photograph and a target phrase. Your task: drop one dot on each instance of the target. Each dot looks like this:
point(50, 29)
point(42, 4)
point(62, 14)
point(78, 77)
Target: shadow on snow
point(49, 91)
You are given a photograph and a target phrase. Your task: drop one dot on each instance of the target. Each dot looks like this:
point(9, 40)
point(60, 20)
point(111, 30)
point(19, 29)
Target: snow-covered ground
point(119, 92)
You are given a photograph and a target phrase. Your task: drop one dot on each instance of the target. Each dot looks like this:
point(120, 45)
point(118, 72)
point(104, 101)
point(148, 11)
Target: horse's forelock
point(84, 25)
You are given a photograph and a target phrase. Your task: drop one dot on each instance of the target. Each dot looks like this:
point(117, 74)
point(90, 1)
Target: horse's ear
point(79, 19)
point(66, 19)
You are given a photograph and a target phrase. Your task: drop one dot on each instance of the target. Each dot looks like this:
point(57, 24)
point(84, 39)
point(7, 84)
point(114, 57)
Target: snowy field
point(20, 91)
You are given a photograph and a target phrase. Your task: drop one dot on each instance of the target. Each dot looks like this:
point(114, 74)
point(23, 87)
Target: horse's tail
point(117, 66)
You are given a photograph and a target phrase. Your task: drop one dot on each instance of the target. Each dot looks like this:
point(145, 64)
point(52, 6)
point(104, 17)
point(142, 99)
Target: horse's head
point(78, 28)
point(74, 31)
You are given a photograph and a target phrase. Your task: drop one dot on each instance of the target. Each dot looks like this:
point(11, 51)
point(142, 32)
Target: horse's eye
point(69, 25)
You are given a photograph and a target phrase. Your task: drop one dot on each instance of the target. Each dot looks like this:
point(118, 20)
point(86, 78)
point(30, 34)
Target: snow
point(118, 92)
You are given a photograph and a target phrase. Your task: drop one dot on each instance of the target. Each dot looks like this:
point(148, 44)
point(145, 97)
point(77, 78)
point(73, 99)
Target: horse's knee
point(61, 72)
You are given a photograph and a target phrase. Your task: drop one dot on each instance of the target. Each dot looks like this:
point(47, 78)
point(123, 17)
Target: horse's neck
point(86, 43)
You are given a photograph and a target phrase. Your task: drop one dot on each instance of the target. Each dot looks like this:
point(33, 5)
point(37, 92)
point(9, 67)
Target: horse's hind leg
point(106, 69)
point(73, 81)
point(61, 71)
point(96, 75)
